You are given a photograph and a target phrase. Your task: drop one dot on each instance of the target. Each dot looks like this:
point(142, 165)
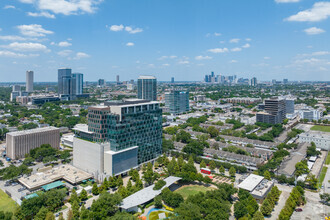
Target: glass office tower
point(177, 102)
point(77, 83)
point(126, 124)
point(64, 81)
point(147, 88)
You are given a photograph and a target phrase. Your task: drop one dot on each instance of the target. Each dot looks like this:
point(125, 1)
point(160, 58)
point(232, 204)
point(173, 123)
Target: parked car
point(299, 210)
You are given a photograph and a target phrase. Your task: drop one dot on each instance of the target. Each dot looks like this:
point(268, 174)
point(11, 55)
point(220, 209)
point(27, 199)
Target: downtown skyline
point(272, 39)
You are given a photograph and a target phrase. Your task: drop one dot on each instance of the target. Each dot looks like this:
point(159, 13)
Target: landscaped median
point(322, 175)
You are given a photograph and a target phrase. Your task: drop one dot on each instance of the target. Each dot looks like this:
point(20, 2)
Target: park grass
point(322, 175)
point(154, 215)
point(186, 191)
point(6, 203)
point(321, 128)
point(327, 160)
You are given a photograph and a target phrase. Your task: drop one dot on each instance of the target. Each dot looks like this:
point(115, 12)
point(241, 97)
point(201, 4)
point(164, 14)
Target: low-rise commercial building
point(321, 139)
point(20, 143)
point(257, 185)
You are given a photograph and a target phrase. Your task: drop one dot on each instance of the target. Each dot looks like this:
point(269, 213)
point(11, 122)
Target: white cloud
point(81, 55)
point(246, 46)
point(320, 53)
point(234, 40)
point(183, 62)
point(132, 30)
point(64, 44)
point(66, 7)
point(64, 53)
point(130, 44)
point(203, 58)
point(41, 14)
point(286, 1)
point(320, 11)
point(26, 47)
point(307, 61)
point(4, 53)
point(314, 31)
point(12, 38)
point(316, 53)
point(218, 50)
point(165, 64)
point(117, 27)
point(233, 61)
point(236, 49)
point(248, 39)
point(217, 34)
point(27, 1)
point(167, 57)
point(33, 30)
point(129, 29)
point(267, 58)
point(9, 7)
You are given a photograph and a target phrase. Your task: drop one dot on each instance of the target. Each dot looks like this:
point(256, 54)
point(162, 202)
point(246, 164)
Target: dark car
point(299, 210)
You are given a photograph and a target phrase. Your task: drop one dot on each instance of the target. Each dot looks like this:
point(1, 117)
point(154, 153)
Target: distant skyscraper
point(77, 84)
point(64, 81)
point(117, 79)
point(29, 81)
point(69, 85)
point(253, 81)
point(101, 82)
point(273, 81)
point(147, 88)
point(172, 80)
point(16, 88)
point(285, 81)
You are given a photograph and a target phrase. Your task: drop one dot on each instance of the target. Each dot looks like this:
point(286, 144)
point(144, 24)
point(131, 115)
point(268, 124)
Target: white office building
point(29, 81)
point(321, 139)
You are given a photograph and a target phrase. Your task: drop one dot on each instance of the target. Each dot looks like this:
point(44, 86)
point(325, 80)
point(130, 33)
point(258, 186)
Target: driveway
point(286, 190)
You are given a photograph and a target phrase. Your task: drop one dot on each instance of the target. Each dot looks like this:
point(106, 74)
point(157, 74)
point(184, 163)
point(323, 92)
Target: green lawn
point(327, 160)
point(322, 175)
point(155, 214)
point(321, 128)
point(186, 191)
point(6, 203)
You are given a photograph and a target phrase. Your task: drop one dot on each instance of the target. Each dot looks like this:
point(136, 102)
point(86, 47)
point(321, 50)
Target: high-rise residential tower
point(147, 88)
point(101, 82)
point(253, 81)
point(69, 85)
point(77, 83)
point(117, 79)
point(64, 81)
point(177, 102)
point(172, 80)
point(29, 81)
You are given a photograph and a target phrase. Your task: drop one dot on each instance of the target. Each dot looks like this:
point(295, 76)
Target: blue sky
point(186, 39)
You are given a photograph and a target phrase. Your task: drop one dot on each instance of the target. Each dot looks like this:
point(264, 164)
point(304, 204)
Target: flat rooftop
point(262, 188)
point(146, 194)
point(32, 131)
point(251, 182)
point(66, 172)
point(128, 102)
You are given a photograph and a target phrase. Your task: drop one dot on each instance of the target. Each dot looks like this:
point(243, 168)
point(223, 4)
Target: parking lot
point(313, 210)
point(13, 190)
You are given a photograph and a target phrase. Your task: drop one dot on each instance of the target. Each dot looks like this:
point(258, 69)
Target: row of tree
point(270, 201)
point(296, 198)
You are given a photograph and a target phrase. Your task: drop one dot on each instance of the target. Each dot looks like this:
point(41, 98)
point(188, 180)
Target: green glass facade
point(177, 102)
point(127, 125)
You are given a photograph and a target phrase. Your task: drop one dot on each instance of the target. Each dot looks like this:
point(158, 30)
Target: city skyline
point(268, 40)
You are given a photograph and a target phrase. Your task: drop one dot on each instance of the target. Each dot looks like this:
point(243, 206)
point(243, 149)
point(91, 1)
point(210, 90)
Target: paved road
point(286, 190)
